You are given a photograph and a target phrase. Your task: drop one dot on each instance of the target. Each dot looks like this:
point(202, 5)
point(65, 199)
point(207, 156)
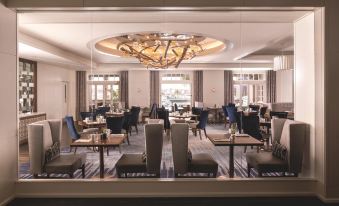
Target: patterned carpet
point(137, 145)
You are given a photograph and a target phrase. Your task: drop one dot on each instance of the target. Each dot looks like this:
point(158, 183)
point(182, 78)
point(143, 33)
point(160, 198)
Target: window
point(176, 88)
point(249, 88)
point(103, 89)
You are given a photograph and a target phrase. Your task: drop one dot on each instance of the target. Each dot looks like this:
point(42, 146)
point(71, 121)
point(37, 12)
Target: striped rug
point(137, 145)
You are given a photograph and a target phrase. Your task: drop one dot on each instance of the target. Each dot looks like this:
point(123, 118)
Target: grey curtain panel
point(228, 87)
point(154, 87)
point(124, 88)
point(271, 86)
point(80, 102)
point(198, 84)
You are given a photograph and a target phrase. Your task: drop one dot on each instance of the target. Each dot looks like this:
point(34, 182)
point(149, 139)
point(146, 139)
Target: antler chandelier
point(160, 50)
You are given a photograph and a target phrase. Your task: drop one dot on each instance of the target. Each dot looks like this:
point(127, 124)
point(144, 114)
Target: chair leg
point(47, 175)
point(205, 132)
point(119, 149)
point(259, 173)
point(107, 151)
point(83, 171)
point(70, 149)
point(71, 175)
point(248, 170)
point(200, 134)
point(75, 150)
point(35, 175)
point(245, 149)
point(136, 128)
point(127, 138)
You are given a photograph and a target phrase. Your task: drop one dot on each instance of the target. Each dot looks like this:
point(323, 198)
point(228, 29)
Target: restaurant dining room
point(141, 94)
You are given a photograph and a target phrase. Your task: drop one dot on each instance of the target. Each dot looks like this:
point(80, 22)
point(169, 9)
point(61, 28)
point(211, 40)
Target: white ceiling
point(251, 33)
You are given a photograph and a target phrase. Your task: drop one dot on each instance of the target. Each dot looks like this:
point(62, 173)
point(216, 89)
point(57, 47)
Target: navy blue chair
point(196, 111)
point(102, 111)
point(134, 118)
point(232, 114)
point(201, 125)
point(90, 115)
point(262, 112)
point(72, 131)
point(115, 124)
point(254, 107)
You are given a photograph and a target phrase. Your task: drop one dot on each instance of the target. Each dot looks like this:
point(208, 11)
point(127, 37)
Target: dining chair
point(262, 112)
point(133, 121)
point(153, 112)
point(148, 162)
point(183, 160)
point(102, 111)
point(115, 124)
point(201, 125)
point(74, 134)
point(254, 107)
point(89, 115)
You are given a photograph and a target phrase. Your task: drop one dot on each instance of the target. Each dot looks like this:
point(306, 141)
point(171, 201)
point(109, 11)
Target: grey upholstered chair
point(150, 161)
point(41, 137)
point(198, 163)
point(292, 135)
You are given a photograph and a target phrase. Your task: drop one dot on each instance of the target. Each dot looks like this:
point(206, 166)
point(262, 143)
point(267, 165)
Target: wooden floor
point(271, 201)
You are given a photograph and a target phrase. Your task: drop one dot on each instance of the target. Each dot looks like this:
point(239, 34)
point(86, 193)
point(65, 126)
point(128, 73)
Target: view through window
point(103, 89)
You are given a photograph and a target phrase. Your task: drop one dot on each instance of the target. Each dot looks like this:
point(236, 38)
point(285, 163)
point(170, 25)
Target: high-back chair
point(153, 112)
point(115, 124)
point(201, 125)
point(148, 162)
point(254, 107)
point(186, 162)
point(89, 115)
point(133, 121)
point(232, 114)
point(102, 111)
point(289, 140)
point(44, 151)
point(262, 111)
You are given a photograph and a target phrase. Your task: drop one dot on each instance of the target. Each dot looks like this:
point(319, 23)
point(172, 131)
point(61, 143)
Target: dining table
point(95, 140)
point(223, 139)
point(93, 124)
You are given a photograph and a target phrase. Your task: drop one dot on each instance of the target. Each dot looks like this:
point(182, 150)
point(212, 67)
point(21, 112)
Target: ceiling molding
point(163, 5)
point(39, 44)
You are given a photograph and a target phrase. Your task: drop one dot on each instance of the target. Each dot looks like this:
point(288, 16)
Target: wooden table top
point(91, 123)
point(112, 140)
point(221, 140)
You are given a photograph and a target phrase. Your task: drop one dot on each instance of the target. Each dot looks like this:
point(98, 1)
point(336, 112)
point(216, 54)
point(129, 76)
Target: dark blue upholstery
point(71, 128)
point(102, 110)
point(115, 124)
point(225, 111)
point(176, 107)
point(126, 125)
point(134, 115)
point(250, 126)
point(196, 111)
point(164, 115)
point(231, 104)
point(203, 119)
point(232, 114)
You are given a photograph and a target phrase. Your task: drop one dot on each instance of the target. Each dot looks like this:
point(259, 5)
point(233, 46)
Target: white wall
point(8, 107)
point(305, 84)
point(139, 88)
point(213, 88)
point(51, 91)
point(284, 86)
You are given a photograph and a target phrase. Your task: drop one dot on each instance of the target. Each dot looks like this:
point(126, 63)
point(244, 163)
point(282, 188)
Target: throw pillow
point(279, 150)
point(52, 152)
point(144, 157)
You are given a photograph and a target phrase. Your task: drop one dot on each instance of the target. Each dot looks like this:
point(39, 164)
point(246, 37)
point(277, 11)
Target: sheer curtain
point(228, 87)
point(124, 88)
point(271, 86)
point(154, 87)
point(80, 104)
point(198, 84)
